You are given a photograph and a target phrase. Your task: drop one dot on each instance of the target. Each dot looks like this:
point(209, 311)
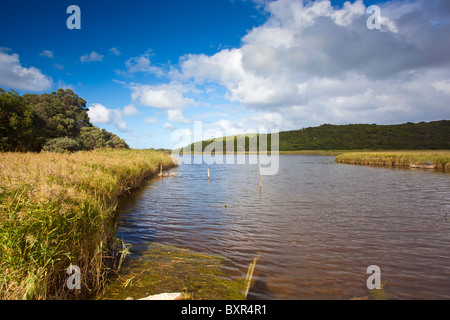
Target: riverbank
point(424, 159)
point(315, 152)
point(58, 210)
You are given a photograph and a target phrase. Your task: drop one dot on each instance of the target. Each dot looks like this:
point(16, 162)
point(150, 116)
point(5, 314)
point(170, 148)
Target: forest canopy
point(56, 122)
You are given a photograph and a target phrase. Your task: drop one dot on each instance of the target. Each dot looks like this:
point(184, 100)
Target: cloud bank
point(311, 63)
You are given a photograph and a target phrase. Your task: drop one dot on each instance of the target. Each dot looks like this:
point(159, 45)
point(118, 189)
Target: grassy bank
point(316, 152)
point(57, 210)
point(429, 159)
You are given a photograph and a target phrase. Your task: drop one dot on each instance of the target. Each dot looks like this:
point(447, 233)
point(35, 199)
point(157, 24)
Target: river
point(316, 225)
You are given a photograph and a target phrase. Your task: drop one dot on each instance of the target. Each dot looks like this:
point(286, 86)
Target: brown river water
point(316, 225)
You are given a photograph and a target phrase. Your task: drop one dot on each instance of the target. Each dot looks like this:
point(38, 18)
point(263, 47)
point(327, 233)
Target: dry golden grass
point(58, 209)
point(428, 159)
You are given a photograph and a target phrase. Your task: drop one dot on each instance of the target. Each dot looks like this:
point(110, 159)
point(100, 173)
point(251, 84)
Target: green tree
point(16, 123)
point(116, 143)
point(113, 141)
point(91, 138)
point(56, 122)
point(61, 114)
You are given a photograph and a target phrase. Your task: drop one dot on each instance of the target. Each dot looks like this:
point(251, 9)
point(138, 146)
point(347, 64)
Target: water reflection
point(317, 225)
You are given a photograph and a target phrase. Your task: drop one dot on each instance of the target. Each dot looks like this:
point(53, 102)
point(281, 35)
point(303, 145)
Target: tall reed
point(428, 159)
point(58, 210)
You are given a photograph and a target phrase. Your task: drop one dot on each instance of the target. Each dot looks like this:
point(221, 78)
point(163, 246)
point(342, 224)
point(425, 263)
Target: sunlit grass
point(429, 159)
point(58, 209)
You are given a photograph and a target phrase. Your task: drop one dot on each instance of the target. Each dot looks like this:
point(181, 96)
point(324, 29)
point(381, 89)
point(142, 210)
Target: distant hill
point(431, 135)
point(423, 135)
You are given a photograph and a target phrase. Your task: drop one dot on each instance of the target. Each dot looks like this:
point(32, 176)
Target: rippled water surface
point(316, 225)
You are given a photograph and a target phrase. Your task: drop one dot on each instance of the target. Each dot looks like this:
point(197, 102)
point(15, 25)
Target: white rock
point(165, 296)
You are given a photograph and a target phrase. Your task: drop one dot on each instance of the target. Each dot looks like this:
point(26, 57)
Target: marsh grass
point(427, 159)
point(315, 152)
point(57, 210)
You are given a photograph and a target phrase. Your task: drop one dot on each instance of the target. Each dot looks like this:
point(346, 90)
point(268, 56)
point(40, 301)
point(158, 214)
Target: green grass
point(59, 209)
point(428, 159)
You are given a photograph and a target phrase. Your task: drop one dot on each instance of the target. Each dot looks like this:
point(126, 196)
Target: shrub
point(62, 145)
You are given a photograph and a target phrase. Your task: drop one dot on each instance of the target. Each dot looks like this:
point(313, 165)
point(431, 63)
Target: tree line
point(56, 122)
point(417, 136)
point(407, 136)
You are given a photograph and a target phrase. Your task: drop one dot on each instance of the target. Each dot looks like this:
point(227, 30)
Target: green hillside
point(431, 135)
point(417, 136)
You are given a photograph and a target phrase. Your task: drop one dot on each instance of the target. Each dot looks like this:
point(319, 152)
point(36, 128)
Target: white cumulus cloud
point(163, 96)
point(170, 97)
point(92, 57)
point(46, 53)
point(115, 51)
point(14, 76)
point(130, 110)
point(140, 64)
point(99, 114)
point(150, 120)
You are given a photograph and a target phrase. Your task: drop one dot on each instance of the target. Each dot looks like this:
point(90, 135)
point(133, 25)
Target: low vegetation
point(439, 159)
point(57, 210)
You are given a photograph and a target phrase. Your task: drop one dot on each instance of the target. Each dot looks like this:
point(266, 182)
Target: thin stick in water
point(249, 275)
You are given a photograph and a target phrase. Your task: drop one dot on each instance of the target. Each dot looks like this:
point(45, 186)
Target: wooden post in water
point(208, 173)
point(260, 182)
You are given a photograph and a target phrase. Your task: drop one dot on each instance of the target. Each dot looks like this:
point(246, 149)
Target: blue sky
point(148, 69)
